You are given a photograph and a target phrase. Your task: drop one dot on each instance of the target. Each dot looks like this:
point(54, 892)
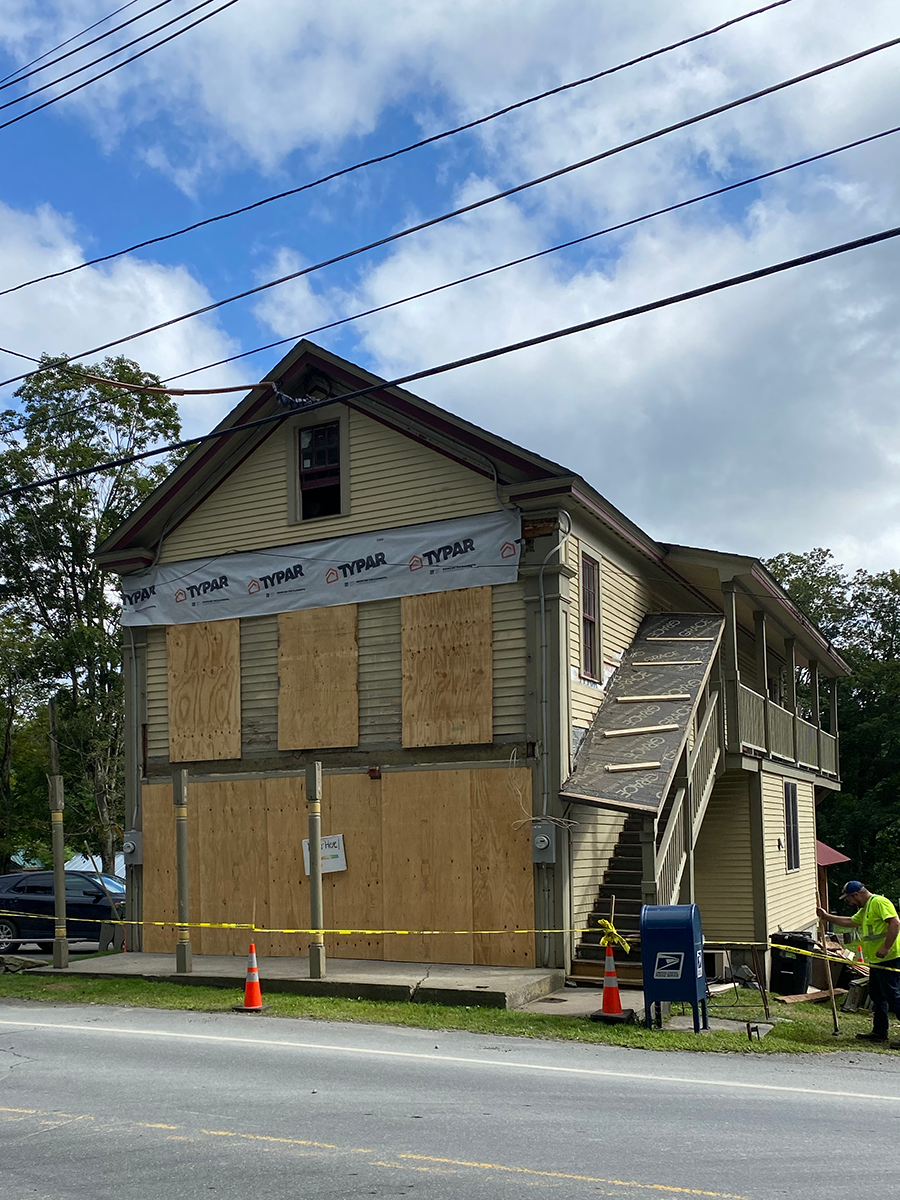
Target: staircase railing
point(688, 808)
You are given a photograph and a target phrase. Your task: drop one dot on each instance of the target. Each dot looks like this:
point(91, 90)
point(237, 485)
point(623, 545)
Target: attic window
point(320, 471)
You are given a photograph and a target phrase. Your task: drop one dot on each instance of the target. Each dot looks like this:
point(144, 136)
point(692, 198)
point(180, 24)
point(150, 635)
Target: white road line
point(450, 1058)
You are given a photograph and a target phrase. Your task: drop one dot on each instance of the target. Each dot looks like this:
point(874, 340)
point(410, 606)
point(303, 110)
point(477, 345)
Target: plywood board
point(204, 686)
point(353, 898)
point(427, 853)
point(288, 886)
point(447, 668)
point(502, 869)
point(159, 867)
point(318, 698)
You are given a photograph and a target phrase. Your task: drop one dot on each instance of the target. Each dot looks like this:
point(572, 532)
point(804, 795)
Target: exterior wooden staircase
point(622, 881)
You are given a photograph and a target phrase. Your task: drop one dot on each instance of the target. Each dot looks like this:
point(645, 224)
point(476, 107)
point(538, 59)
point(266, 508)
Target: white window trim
point(320, 416)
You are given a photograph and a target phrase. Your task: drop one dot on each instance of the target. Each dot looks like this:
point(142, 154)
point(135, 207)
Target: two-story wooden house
point(523, 703)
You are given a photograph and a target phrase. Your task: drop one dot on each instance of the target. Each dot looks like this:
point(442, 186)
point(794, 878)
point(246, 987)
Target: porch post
point(791, 697)
point(762, 669)
point(730, 669)
point(648, 860)
point(833, 721)
point(816, 711)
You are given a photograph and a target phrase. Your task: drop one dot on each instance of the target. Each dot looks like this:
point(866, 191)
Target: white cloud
point(93, 306)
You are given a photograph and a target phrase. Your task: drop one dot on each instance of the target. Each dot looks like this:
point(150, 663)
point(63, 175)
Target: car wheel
point(9, 936)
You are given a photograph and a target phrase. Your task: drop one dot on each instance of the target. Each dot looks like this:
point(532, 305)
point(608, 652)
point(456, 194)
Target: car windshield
point(112, 882)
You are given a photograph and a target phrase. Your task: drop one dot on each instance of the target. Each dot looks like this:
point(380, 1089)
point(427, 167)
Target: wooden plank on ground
point(427, 854)
point(810, 997)
point(159, 895)
point(318, 665)
point(204, 682)
point(502, 868)
point(353, 898)
point(447, 668)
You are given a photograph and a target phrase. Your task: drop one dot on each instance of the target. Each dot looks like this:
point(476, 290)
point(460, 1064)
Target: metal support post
point(60, 941)
point(316, 908)
point(183, 956)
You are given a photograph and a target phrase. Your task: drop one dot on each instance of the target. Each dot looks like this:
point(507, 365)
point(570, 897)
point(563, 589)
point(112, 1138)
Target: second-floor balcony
point(764, 727)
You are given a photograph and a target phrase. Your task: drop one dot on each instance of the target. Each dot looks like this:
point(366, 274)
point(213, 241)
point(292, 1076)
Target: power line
point(20, 78)
point(397, 153)
point(390, 238)
point(124, 63)
point(456, 364)
point(78, 374)
point(515, 262)
point(102, 58)
point(67, 42)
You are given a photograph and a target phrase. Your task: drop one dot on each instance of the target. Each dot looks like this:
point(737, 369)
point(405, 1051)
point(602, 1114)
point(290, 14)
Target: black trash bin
point(790, 972)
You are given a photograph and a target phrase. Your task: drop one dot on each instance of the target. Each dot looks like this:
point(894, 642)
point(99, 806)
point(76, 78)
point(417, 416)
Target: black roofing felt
point(671, 655)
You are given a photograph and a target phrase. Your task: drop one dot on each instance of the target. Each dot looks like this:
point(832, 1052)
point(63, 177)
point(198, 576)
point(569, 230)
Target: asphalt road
point(152, 1105)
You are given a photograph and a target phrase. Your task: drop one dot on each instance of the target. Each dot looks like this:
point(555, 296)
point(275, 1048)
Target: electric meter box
point(672, 958)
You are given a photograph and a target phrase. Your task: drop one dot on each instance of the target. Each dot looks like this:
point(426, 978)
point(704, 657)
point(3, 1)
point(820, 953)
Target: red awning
point(826, 857)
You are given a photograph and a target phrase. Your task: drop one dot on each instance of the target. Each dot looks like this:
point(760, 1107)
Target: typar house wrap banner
point(437, 557)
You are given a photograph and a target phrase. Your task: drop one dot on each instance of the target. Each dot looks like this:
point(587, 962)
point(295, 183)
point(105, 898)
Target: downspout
point(545, 764)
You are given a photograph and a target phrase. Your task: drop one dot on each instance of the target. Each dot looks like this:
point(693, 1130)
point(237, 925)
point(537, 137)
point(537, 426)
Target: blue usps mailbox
point(672, 958)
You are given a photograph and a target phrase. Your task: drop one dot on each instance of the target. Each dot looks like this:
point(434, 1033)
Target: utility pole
point(57, 802)
point(316, 914)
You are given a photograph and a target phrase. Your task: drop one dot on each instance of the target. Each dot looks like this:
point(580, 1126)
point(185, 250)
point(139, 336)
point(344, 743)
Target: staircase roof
point(654, 693)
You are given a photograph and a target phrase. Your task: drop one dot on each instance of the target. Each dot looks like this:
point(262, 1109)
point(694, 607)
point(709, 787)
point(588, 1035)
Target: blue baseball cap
point(851, 887)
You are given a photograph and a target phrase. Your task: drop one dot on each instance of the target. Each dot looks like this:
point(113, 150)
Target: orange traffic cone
point(611, 1002)
point(611, 1011)
point(252, 992)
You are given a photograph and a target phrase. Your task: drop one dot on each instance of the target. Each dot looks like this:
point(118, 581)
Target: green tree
point(860, 613)
point(64, 607)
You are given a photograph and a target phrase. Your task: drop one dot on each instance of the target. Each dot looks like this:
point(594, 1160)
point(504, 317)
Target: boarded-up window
point(204, 677)
point(447, 668)
point(318, 697)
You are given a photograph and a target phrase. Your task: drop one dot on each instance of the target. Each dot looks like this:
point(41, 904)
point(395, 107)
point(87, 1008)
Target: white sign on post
point(333, 856)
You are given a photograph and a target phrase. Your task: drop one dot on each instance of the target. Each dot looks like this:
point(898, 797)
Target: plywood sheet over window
point(204, 675)
point(318, 663)
point(447, 668)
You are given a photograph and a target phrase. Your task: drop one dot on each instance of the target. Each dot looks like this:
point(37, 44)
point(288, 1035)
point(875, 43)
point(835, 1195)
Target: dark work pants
point(884, 991)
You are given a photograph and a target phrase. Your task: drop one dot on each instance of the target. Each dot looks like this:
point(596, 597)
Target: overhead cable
point(8, 81)
point(85, 83)
point(515, 262)
point(380, 158)
point(67, 42)
point(455, 364)
point(475, 205)
point(78, 374)
point(102, 58)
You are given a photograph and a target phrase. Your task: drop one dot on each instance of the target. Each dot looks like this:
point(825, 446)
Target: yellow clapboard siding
point(259, 685)
point(380, 674)
point(510, 661)
point(723, 865)
point(394, 481)
point(204, 702)
point(447, 668)
point(157, 691)
point(791, 895)
point(318, 698)
point(626, 601)
point(593, 842)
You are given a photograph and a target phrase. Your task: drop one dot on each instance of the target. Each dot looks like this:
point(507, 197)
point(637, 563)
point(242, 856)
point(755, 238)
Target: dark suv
point(27, 907)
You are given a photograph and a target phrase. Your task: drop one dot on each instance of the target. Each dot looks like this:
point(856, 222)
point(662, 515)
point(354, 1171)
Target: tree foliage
point(58, 610)
point(860, 613)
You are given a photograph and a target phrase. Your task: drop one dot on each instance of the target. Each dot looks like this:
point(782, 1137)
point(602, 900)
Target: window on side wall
point(791, 826)
point(320, 471)
point(590, 638)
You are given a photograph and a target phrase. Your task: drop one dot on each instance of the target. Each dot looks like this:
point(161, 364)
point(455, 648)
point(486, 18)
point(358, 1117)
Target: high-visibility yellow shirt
point(872, 921)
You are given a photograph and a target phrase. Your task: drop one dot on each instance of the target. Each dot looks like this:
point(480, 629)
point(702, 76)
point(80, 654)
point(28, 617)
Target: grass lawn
point(802, 1028)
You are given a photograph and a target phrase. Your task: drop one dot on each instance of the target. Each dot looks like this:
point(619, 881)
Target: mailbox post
point(672, 958)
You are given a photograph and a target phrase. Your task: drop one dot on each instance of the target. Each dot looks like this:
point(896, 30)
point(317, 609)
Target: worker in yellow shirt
point(879, 935)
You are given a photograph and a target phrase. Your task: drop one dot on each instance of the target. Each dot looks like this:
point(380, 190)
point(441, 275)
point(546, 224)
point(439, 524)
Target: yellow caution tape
point(610, 936)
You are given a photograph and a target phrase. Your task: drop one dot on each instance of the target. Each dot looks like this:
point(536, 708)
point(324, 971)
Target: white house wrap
point(438, 557)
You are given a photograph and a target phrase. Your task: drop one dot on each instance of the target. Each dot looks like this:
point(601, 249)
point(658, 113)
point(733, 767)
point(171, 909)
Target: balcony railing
point(767, 728)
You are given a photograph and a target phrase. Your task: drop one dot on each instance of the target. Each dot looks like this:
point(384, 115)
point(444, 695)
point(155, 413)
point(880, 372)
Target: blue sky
point(761, 420)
